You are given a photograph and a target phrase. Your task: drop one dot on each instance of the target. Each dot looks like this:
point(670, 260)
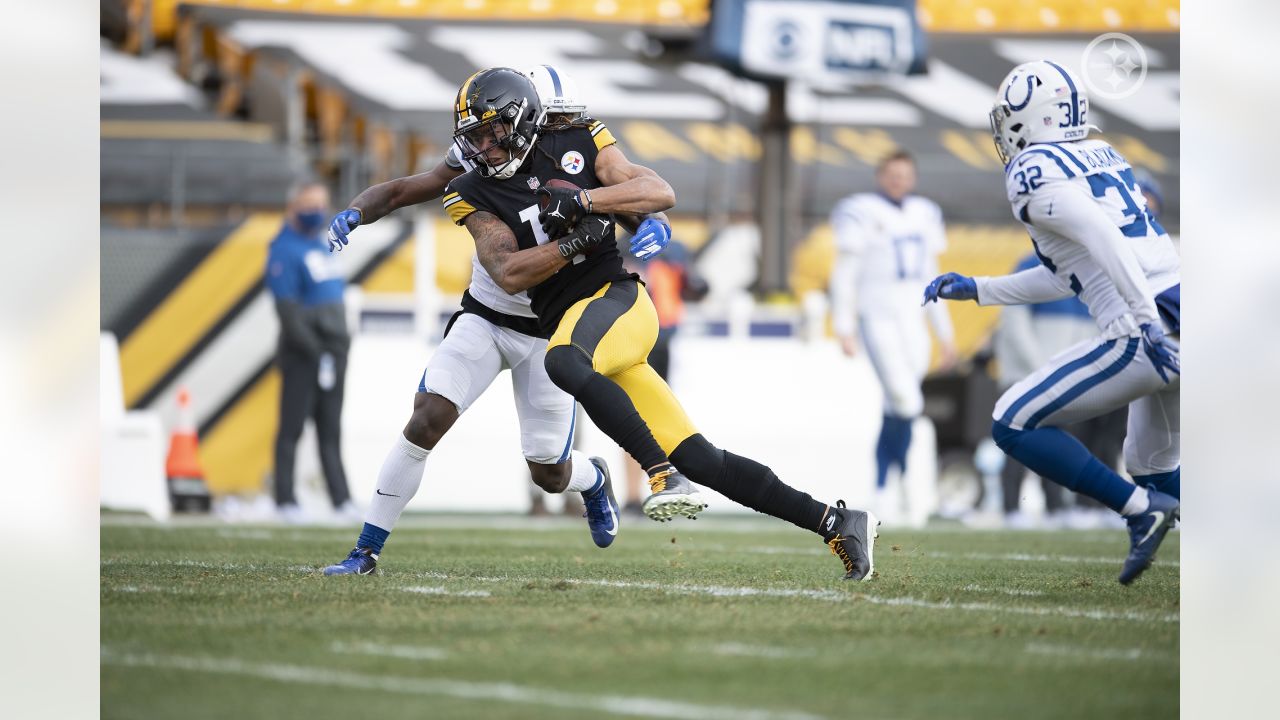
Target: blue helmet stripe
point(1075, 94)
point(555, 80)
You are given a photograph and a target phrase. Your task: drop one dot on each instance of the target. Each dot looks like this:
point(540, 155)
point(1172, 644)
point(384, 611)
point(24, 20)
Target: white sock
point(398, 482)
point(583, 475)
point(1137, 503)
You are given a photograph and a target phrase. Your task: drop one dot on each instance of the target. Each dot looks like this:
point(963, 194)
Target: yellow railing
point(1048, 15)
point(935, 15)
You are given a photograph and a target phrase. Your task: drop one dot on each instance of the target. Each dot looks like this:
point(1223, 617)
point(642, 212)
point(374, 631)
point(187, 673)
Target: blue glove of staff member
point(343, 223)
point(1161, 350)
point(951, 286)
point(650, 238)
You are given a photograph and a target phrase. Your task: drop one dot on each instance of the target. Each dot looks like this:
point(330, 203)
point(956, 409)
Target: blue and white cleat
point(361, 561)
point(1146, 532)
point(601, 508)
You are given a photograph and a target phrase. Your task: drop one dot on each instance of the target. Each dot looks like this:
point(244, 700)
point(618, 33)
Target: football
point(555, 183)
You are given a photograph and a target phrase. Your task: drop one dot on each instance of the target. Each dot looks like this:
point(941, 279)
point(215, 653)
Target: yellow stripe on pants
point(622, 354)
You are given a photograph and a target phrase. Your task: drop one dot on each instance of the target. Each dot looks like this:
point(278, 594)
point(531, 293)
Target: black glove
point(562, 213)
point(588, 234)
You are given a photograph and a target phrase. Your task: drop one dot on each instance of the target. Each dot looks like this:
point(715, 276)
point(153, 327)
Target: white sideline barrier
point(133, 445)
point(803, 409)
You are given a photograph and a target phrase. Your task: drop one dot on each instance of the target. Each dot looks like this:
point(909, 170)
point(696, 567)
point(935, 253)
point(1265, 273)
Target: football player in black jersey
point(493, 332)
point(558, 244)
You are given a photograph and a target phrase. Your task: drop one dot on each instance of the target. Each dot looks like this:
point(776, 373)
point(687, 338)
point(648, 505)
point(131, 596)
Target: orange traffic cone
point(187, 490)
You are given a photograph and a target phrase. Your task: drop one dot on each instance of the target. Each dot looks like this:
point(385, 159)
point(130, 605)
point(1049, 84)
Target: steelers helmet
point(496, 118)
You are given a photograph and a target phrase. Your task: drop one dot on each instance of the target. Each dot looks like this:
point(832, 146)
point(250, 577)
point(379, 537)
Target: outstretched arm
point(513, 269)
point(1034, 285)
point(380, 200)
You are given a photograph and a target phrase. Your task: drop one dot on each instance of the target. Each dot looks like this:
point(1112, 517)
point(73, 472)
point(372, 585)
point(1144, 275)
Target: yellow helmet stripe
point(462, 106)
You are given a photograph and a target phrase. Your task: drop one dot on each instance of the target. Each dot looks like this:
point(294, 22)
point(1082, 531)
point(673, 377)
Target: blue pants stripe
point(568, 443)
point(1054, 379)
point(1085, 385)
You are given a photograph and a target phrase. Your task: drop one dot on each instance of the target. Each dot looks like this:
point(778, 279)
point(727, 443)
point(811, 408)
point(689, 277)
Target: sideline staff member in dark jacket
point(307, 283)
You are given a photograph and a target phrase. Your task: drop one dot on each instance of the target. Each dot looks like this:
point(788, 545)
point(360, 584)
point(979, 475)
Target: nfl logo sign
point(533, 183)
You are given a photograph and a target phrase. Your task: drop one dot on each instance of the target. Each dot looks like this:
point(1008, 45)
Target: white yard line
point(484, 692)
point(835, 596)
point(1003, 591)
point(730, 591)
point(1027, 557)
point(763, 651)
point(445, 591)
point(1004, 557)
point(405, 652)
point(1130, 654)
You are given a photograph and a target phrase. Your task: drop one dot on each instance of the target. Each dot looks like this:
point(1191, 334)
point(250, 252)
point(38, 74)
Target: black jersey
point(567, 154)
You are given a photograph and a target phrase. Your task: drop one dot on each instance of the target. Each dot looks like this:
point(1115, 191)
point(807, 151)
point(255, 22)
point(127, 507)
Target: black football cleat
point(851, 535)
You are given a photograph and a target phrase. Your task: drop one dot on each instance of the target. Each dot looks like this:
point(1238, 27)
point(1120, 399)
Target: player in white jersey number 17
point(1090, 227)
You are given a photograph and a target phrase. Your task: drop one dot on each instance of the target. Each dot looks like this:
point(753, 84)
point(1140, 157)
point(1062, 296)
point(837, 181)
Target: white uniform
point(475, 350)
point(1095, 238)
point(886, 253)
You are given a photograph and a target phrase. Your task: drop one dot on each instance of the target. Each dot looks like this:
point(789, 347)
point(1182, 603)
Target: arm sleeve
point(844, 279)
point(1036, 285)
point(1064, 209)
point(295, 331)
point(1019, 336)
point(848, 229)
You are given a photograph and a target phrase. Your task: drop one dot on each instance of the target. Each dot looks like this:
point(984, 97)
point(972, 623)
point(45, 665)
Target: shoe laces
point(837, 545)
point(839, 550)
point(658, 480)
point(595, 508)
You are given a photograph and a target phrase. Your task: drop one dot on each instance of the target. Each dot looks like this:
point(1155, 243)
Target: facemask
point(310, 223)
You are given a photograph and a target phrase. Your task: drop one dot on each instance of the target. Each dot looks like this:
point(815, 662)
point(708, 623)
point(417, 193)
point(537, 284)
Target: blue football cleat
point(601, 508)
point(1146, 532)
point(361, 561)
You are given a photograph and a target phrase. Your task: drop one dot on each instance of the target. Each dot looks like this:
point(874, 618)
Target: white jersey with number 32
point(1045, 177)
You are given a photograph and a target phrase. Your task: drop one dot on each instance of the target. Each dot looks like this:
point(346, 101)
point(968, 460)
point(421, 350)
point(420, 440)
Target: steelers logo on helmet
point(496, 119)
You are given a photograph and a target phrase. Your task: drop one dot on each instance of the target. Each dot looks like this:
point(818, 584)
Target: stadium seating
point(936, 15)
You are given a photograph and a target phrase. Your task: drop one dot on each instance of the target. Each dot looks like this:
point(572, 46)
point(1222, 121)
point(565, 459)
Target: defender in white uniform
point(1095, 237)
point(493, 332)
point(888, 244)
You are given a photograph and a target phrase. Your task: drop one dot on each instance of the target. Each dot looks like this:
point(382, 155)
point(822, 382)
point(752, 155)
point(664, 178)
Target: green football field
point(722, 618)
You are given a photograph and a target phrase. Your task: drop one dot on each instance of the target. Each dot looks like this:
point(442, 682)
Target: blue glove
point(650, 238)
point(343, 223)
point(951, 286)
point(1161, 350)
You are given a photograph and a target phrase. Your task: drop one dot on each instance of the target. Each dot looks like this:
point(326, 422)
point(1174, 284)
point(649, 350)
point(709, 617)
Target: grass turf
point(718, 619)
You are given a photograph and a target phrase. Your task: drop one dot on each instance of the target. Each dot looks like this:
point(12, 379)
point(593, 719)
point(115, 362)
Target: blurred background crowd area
point(211, 109)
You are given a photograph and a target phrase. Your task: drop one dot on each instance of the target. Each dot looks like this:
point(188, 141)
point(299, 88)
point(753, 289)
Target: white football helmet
point(1038, 102)
point(558, 92)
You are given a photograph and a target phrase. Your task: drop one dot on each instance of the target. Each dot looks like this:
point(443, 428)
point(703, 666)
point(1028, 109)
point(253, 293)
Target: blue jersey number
point(1028, 179)
point(1124, 181)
